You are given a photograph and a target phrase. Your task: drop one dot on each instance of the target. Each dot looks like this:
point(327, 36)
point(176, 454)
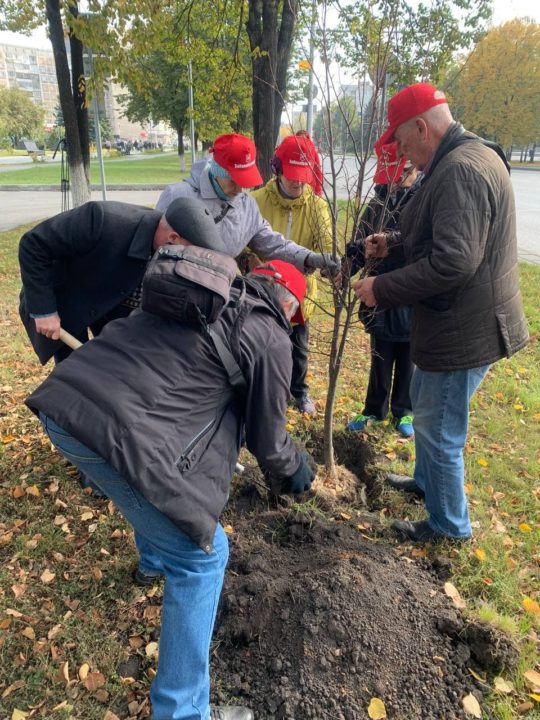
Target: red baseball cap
point(298, 158)
point(389, 166)
point(236, 154)
point(413, 100)
point(287, 275)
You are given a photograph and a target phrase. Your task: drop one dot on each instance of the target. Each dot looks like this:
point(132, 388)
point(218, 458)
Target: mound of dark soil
point(316, 621)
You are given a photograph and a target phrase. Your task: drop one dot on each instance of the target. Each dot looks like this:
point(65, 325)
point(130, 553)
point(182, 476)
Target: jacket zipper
point(289, 226)
point(184, 462)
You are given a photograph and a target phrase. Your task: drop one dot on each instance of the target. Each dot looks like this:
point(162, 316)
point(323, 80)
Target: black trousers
point(300, 350)
point(389, 359)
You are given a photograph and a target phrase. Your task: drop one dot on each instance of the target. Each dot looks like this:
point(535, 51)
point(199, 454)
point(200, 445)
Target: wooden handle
point(69, 340)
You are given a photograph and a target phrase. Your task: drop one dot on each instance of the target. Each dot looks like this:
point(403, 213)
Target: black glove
point(300, 481)
point(328, 265)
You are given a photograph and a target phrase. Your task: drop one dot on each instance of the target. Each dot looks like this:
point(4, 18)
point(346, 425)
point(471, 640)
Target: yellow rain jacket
point(305, 220)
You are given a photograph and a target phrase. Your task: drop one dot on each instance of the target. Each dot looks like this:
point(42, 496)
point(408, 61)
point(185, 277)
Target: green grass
point(103, 618)
point(159, 169)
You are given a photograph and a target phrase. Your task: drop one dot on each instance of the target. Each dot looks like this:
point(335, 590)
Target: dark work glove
point(326, 262)
point(300, 481)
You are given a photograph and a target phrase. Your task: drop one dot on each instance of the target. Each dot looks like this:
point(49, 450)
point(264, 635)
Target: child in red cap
point(391, 367)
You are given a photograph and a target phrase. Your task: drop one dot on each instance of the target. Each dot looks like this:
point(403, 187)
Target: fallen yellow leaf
point(151, 649)
point(29, 632)
point(503, 686)
point(531, 606)
point(532, 678)
point(17, 685)
point(454, 595)
point(518, 407)
point(471, 706)
point(477, 676)
point(83, 671)
point(33, 490)
point(535, 696)
point(480, 554)
point(524, 527)
point(63, 673)
point(376, 709)
point(228, 529)
point(47, 576)
point(483, 462)
point(7, 439)
point(18, 715)
point(93, 681)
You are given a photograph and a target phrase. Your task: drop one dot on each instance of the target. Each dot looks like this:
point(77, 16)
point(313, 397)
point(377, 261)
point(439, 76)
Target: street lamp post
point(191, 121)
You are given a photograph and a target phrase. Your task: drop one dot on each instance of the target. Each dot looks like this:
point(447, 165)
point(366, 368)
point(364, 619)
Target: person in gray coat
point(457, 236)
point(147, 410)
point(219, 184)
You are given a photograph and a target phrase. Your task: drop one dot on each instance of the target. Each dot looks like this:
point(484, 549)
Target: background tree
point(21, 16)
point(270, 28)
point(105, 128)
point(372, 40)
point(163, 97)
point(496, 89)
point(20, 117)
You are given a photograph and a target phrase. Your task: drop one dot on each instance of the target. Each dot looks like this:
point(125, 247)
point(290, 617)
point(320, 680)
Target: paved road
point(526, 187)
point(20, 207)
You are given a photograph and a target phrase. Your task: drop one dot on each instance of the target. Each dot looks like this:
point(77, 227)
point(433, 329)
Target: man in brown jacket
point(458, 238)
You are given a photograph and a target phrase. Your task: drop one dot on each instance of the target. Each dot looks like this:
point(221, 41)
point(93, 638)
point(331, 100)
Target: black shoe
point(404, 483)
point(421, 531)
point(145, 579)
point(231, 712)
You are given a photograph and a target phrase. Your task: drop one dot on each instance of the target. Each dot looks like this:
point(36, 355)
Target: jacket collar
point(141, 246)
point(277, 198)
point(208, 192)
point(455, 136)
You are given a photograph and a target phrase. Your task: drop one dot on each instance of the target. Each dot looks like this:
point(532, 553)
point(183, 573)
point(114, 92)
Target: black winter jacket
point(382, 213)
point(458, 237)
point(152, 397)
point(81, 264)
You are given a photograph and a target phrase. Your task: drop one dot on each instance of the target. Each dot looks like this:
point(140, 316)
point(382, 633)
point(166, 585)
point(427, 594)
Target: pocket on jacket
point(195, 447)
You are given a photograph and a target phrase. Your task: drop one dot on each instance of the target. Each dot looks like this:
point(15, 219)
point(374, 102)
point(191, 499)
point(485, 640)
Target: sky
point(503, 10)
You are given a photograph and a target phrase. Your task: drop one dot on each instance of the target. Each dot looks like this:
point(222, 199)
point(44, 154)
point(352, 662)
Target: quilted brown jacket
point(458, 237)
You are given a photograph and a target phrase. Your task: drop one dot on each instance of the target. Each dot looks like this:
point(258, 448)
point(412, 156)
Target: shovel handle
point(69, 340)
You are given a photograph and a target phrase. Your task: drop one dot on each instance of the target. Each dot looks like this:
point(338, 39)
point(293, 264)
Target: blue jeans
point(440, 403)
point(193, 581)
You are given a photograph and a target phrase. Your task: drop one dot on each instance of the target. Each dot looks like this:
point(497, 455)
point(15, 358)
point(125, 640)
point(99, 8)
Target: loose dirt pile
point(317, 619)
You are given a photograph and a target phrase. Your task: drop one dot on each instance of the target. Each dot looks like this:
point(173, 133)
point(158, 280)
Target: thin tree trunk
point(80, 187)
point(181, 152)
point(270, 43)
point(78, 85)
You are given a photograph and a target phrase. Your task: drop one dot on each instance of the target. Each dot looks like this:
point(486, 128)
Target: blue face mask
point(217, 187)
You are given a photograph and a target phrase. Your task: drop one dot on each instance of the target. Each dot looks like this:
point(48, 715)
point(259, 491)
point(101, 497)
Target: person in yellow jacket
point(291, 207)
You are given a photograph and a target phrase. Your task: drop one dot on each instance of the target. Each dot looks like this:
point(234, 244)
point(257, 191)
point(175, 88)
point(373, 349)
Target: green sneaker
point(404, 426)
point(360, 421)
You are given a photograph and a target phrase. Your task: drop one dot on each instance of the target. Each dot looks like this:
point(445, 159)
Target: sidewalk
point(20, 208)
